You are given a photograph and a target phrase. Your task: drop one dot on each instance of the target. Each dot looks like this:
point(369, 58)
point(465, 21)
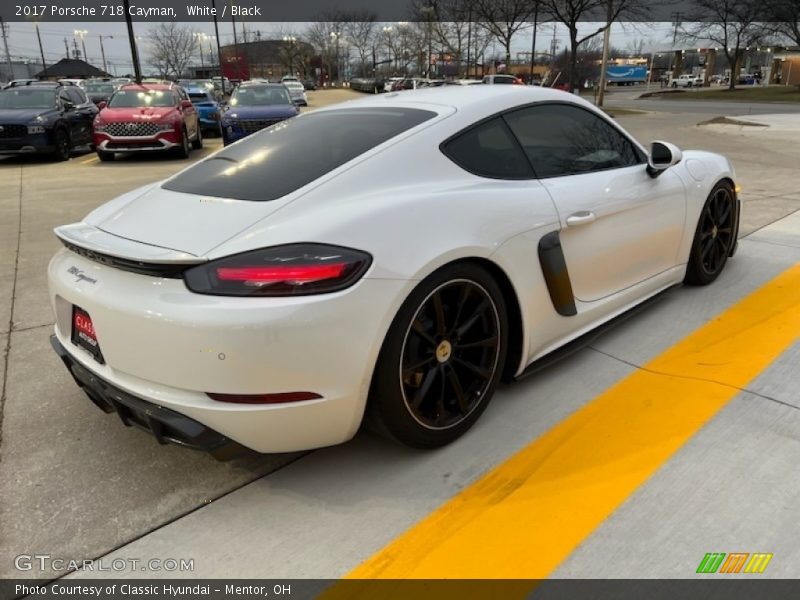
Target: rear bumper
point(167, 426)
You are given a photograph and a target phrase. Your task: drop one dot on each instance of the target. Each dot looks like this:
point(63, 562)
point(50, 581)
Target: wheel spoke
point(417, 366)
point(489, 342)
point(482, 372)
point(725, 213)
point(423, 390)
point(460, 331)
point(709, 245)
point(418, 328)
point(461, 398)
point(438, 309)
point(466, 292)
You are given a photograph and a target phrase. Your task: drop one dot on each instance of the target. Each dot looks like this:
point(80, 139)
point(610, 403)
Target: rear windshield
point(198, 96)
point(278, 160)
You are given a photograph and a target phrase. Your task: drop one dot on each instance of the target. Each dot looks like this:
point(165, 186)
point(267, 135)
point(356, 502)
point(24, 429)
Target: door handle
point(582, 217)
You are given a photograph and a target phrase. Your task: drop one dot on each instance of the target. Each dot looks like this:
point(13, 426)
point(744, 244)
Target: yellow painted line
point(90, 160)
point(523, 518)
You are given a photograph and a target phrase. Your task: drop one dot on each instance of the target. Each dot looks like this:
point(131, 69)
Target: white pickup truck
point(687, 81)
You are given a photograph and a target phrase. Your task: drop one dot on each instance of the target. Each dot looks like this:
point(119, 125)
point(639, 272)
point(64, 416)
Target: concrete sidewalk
point(323, 515)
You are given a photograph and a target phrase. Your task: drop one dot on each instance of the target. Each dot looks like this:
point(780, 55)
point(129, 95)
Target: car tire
point(197, 144)
point(183, 150)
point(62, 151)
point(105, 156)
point(441, 359)
point(714, 237)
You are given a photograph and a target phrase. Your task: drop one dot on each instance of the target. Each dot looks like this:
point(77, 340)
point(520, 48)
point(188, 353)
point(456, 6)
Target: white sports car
point(387, 260)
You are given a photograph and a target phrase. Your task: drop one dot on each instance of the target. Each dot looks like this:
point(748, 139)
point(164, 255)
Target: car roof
point(463, 98)
point(261, 84)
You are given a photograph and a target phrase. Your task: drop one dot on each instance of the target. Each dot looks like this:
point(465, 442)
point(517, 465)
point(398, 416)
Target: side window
point(63, 96)
point(76, 95)
point(489, 150)
point(560, 139)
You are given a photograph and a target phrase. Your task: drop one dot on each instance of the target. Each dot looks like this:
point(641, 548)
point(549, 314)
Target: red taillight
point(293, 275)
point(291, 270)
point(280, 398)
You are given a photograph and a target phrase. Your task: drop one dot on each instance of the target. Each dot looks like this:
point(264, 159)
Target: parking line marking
point(524, 517)
point(90, 160)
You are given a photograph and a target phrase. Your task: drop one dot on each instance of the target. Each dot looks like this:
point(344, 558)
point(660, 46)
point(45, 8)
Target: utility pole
point(469, 36)
point(103, 51)
point(219, 50)
point(137, 71)
point(41, 49)
point(76, 53)
point(533, 43)
point(606, 43)
point(66, 47)
point(236, 46)
point(8, 54)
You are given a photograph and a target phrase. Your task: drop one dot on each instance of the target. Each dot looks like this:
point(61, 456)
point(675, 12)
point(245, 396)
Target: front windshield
point(141, 98)
point(99, 88)
point(27, 98)
point(260, 96)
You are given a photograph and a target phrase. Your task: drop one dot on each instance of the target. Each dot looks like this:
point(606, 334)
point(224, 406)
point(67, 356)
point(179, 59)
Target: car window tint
point(489, 150)
point(276, 161)
point(565, 140)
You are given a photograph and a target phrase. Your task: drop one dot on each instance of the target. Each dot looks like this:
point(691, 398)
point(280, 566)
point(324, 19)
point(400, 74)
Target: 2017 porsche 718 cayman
point(387, 260)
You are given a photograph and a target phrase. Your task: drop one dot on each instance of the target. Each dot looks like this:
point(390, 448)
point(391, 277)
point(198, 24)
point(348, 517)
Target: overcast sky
point(23, 44)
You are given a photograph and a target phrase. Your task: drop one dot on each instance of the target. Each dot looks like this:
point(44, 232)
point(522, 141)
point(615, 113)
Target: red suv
point(147, 117)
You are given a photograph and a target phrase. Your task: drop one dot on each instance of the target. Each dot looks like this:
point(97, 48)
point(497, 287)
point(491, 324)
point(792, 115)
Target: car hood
point(260, 112)
point(184, 222)
point(144, 113)
point(20, 115)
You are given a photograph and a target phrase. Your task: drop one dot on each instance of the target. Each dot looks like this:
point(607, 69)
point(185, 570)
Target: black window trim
point(638, 149)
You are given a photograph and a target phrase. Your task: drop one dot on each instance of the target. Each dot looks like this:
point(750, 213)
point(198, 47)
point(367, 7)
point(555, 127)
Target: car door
point(85, 112)
point(71, 115)
point(189, 112)
point(619, 225)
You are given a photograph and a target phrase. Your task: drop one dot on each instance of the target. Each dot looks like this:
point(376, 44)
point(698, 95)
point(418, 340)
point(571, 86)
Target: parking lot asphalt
point(74, 483)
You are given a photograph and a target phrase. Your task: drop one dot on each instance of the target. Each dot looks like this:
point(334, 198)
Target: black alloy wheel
point(714, 238)
point(197, 144)
point(183, 150)
point(441, 359)
point(61, 153)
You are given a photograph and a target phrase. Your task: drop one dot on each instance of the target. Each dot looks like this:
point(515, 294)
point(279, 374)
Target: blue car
point(44, 118)
point(208, 109)
point(253, 107)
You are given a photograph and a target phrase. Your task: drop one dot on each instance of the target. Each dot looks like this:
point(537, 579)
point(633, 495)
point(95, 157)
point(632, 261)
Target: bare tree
point(784, 19)
point(572, 12)
point(504, 18)
point(635, 47)
point(172, 47)
point(360, 29)
point(731, 24)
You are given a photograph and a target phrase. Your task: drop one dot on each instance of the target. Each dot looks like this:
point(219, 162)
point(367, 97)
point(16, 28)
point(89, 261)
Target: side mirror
point(102, 104)
point(186, 104)
point(68, 105)
point(663, 155)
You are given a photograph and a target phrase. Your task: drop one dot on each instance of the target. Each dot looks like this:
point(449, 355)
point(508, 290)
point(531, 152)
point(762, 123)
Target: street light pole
point(219, 51)
point(81, 33)
point(103, 51)
point(137, 71)
point(533, 43)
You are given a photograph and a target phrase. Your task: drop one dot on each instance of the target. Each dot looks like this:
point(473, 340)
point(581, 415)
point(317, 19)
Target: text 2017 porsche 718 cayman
point(386, 260)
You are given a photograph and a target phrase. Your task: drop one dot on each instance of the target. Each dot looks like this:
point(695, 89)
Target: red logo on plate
point(83, 323)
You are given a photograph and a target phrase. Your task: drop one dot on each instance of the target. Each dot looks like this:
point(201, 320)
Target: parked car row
point(52, 117)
